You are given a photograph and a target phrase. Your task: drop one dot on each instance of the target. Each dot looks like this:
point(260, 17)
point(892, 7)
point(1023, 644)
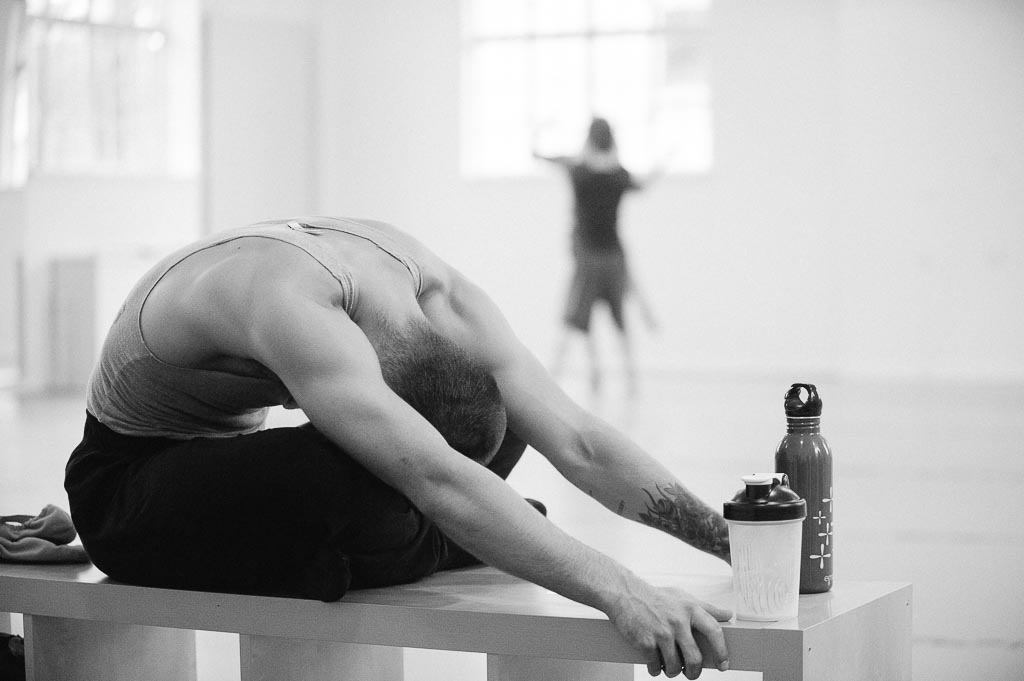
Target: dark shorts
point(599, 275)
point(280, 512)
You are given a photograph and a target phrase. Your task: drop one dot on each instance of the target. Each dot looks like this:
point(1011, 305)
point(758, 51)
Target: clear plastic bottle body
point(805, 456)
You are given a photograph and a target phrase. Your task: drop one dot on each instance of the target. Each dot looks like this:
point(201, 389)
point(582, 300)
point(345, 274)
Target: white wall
point(122, 224)
point(117, 223)
point(864, 215)
point(932, 170)
point(258, 123)
point(259, 113)
point(11, 209)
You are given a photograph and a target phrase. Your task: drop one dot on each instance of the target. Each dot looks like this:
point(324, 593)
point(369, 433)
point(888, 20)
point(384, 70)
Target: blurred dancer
point(601, 273)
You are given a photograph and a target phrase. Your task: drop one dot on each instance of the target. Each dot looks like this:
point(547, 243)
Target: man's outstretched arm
point(337, 381)
point(607, 465)
point(591, 454)
point(636, 486)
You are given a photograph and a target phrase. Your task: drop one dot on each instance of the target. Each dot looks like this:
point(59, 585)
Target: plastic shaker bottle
point(765, 520)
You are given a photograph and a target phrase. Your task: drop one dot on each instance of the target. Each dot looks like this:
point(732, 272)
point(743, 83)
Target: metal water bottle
point(804, 456)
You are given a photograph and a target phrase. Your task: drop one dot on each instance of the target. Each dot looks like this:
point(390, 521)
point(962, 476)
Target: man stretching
point(420, 400)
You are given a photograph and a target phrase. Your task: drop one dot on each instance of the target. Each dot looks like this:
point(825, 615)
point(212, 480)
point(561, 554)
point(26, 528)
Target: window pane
point(483, 18)
point(141, 124)
point(105, 92)
point(623, 80)
point(495, 104)
point(103, 11)
point(36, 7)
point(681, 129)
point(18, 163)
point(536, 70)
point(559, 106)
point(98, 86)
point(68, 9)
point(619, 15)
point(669, 6)
point(142, 13)
point(686, 59)
point(67, 117)
point(559, 16)
point(13, 97)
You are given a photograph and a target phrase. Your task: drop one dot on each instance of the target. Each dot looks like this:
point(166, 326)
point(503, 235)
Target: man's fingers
point(671, 660)
point(706, 624)
point(720, 614)
point(676, 632)
point(692, 658)
point(656, 662)
point(703, 624)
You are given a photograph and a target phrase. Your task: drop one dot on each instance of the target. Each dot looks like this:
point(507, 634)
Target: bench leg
point(265, 658)
point(515, 668)
point(79, 650)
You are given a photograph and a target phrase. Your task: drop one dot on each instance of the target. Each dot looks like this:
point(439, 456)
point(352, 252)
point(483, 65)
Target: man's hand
point(661, 622)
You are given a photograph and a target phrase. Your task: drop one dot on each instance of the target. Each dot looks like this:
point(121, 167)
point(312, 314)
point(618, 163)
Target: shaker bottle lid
point(765, 497)
point(796, 406)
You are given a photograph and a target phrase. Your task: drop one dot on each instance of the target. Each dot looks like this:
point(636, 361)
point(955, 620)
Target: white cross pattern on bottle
point(827, 534)
point(822, 556)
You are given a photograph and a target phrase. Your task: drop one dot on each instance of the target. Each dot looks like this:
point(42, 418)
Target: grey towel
point(44, 538)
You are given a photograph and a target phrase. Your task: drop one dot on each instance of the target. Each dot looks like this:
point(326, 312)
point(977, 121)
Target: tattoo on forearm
point(682, 515)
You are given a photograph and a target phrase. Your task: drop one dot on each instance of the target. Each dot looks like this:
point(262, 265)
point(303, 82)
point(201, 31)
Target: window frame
point(638, 137)
point(104, 88)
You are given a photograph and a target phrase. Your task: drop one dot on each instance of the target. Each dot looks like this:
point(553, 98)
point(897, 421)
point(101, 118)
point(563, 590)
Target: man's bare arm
point(337, 381)
point(676, 511)
point(594, 456)
point(638, 487)
point(617, 472)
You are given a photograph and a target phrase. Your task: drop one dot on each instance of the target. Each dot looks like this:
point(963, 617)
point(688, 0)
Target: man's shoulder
point(253, 277)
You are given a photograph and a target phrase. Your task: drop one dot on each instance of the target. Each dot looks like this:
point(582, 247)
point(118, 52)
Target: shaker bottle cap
point(765, 497)
point(796, 406)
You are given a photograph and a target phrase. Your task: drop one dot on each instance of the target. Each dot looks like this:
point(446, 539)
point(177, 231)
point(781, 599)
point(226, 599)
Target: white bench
point(81, 625)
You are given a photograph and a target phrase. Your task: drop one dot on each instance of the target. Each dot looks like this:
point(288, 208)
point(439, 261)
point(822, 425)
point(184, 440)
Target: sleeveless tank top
point(133, 392)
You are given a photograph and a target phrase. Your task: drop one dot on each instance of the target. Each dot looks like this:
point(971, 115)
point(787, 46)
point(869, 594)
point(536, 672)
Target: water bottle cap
point(765, 497)
point(797, 406)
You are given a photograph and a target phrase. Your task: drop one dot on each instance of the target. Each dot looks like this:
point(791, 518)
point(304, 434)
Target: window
point(102, 86)
point(535, 71)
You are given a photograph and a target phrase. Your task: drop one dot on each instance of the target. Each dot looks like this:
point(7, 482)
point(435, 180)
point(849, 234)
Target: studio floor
point(927, 489)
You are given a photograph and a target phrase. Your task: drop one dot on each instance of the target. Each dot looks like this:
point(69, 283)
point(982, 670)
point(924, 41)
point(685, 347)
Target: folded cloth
point(44, 538)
